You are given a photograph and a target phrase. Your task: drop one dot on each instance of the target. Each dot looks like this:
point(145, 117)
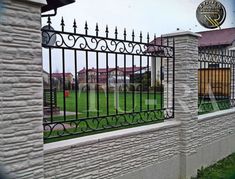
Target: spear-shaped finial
point(141, 36)
point(116, 32)
point(86, 28)
point(133, 35)
point(148, 37)
point(49, 21)
point(124, 33)
point(75, 26)
point(97, 29)
point(107, 31)
point(62, 24)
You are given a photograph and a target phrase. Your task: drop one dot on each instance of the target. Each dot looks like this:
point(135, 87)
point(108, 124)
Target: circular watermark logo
point(211, 14)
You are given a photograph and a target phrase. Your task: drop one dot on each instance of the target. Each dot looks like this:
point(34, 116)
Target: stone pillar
point(186, 97)
point(21, 92)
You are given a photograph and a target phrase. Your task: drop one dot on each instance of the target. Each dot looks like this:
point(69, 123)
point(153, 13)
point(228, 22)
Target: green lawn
point(147, 103)
point(89, 122)
point(224, 169)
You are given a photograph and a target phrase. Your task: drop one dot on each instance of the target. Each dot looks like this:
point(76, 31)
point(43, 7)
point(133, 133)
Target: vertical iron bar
point(200, 83)
point(76, 83)
point(161, 90)
point(148, 83)
point(223, 86)
point(116, 83)
point(63, 61)
point(204, 87)
point(133, 83)
point(233, 74)
point(63, 64)
point(141, 86)
point(50, 71)
point(97, 84)
point(125, 82)
point(215, 81)
point(107, 83)
point(87, 85)
point(76, 73)
point(167, 83)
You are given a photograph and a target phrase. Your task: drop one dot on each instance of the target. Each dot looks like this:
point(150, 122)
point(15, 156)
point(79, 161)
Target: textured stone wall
point(114, 156)
point(216, 128)
point(21, 143)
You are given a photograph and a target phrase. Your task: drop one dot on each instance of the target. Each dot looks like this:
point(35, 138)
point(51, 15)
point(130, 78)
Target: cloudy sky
point(153, 16)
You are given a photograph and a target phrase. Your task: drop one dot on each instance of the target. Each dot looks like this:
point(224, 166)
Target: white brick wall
point(21, 144)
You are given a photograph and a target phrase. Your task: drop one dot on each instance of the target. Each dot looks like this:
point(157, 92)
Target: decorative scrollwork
point(100, 44)
point(77, 127)
point(216, 56)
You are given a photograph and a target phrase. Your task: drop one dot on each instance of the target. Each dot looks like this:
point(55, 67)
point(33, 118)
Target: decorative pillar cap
point(182, 33)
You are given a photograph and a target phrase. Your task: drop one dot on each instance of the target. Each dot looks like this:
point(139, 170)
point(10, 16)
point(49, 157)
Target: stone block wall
point(115, 154)
point(21, 137)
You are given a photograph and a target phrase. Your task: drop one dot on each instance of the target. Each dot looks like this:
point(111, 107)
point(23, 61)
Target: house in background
point(212, 40)
point(103, 78)
point(57, 80)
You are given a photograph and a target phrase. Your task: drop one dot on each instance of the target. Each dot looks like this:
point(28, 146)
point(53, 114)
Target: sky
point(153, 16)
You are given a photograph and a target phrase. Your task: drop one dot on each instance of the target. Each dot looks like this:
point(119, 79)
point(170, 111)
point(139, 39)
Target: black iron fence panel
point(216, 79)
point(104, 83)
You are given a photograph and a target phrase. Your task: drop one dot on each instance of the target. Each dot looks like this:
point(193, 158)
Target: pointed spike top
point(86, 28)
point(148, 37)
point(74, 24)
point(141, 36)
point(155, 38)
point(124, 34)
point(124, 31)
point(107, 30)
point(133, 35)
point(116, 32)
point(62, 21)
point(49, 20)
point(97, 29)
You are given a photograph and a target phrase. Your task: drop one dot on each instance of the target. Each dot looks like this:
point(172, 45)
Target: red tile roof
point(103, 70)
point(58, 75)
point(217, 37)
point(210, 38)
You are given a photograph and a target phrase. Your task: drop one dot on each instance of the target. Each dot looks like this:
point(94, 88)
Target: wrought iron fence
point(114, 82)
point(216, 79)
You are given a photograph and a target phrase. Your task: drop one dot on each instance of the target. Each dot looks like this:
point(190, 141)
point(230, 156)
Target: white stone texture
point(21, 137)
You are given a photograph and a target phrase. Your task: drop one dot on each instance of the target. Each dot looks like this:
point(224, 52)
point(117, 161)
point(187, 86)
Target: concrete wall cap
point(87, 140)
point(181, 33)
point(216, 114)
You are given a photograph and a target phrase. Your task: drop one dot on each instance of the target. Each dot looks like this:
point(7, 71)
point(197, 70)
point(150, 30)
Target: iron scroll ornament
point(101, 44)
point(211, 14)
